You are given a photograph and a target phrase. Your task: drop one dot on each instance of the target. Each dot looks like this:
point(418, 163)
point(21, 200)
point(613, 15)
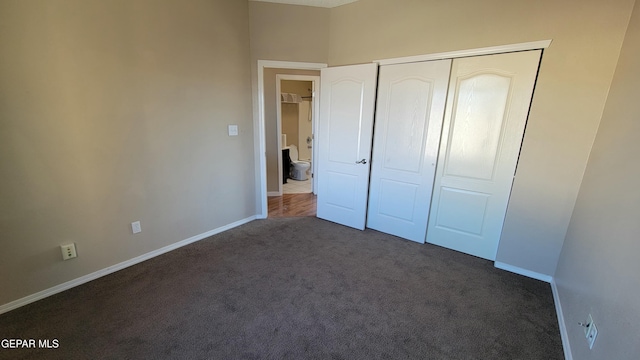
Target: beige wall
point(599, 271)
point(572, 87)
point(286, 33)
point(271, 120)
point(302, 88)
point(116, 111)
point(289, 32)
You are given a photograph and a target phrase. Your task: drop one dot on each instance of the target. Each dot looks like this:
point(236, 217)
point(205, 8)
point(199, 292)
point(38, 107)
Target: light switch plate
point(233, 130)
point(135, 227)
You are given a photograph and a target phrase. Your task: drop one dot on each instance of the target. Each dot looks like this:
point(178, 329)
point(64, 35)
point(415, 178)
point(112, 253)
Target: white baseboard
point(561, 323)
point(556, 300)
point(111, 269)
point(523, 272)
point(274, 193)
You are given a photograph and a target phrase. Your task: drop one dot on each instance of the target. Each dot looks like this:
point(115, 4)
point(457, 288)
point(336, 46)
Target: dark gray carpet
point(298, 288)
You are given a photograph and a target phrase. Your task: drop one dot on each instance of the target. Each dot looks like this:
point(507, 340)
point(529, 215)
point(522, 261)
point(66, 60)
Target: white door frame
point(491, 50)
point(315, 85)
point(259, 127)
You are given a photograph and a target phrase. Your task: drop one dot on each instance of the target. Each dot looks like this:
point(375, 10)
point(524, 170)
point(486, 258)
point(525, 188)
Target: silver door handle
point(363, 161)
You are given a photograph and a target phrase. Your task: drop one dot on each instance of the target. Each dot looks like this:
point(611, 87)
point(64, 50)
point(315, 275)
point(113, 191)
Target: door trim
point(259, 127)
point(491, 50)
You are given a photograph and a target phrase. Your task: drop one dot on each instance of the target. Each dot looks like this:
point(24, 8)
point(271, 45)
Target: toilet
point(299, 168)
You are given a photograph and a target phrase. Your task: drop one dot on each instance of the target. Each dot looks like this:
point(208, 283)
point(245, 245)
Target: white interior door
point(410, 109)
point(487, 108)
point(344, 142)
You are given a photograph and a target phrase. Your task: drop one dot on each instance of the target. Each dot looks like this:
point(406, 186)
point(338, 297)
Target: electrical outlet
point(591, 332)
point(68, 251)
point(135, 227)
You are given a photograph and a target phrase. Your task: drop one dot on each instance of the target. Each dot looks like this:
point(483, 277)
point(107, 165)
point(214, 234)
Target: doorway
point(267, 137)
point(295, 123)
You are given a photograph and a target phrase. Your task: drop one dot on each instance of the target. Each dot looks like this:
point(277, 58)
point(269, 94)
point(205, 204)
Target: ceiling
point(316, 3)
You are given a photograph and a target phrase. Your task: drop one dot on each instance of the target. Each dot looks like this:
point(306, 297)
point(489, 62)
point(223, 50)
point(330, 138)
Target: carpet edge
point(113, 268)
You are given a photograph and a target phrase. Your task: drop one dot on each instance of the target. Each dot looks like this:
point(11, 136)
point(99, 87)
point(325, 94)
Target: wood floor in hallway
point(292, 205)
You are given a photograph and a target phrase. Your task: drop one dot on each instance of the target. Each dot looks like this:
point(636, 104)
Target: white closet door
point(410, 109)
point(488, 105)
point(344, 142)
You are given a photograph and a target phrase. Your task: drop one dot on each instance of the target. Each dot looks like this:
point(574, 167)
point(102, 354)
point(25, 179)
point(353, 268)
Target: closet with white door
point(446, 140)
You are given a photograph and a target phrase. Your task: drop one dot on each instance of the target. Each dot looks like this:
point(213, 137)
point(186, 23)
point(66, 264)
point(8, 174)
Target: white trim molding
point(564, 335)
point(533, 45)
point(316, 3)
point(259, 127)
point(566, 347)
point(523, 272)
point(111, 269)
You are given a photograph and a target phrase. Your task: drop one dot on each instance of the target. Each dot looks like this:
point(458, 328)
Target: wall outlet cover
point(68, 251)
